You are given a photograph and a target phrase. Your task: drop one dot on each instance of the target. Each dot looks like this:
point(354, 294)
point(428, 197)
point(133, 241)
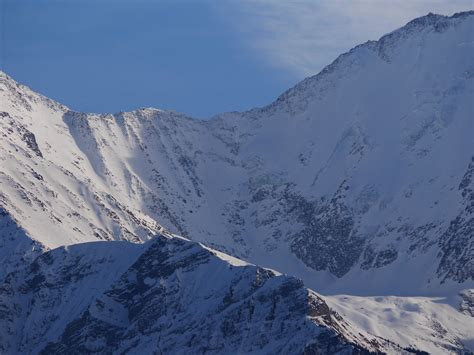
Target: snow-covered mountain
point(169, 296)
point(359, 180)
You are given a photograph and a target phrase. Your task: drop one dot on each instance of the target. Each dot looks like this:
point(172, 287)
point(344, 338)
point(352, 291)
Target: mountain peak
point(296, 99)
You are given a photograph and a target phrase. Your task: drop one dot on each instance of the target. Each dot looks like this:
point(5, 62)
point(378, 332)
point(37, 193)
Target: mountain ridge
point(359, 182)
point(154, 272)
point(430, 19)
point(231, 140)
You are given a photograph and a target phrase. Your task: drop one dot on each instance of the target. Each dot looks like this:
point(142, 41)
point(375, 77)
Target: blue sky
point(200, 57)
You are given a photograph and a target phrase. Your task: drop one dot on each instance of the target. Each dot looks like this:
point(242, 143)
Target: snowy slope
point(427, 323)
point(359, 180)
point(47, 182)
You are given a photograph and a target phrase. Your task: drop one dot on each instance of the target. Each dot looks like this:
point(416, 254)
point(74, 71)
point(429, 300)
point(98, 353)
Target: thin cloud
point(303, 36)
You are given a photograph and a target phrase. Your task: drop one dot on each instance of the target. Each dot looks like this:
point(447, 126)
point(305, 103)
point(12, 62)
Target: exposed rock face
point(30, 141)
point(457, 243)
point(467, 302)
point(329, 242)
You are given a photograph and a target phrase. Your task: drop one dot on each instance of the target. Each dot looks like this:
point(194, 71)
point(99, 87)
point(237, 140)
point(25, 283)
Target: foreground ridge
point(167, 295)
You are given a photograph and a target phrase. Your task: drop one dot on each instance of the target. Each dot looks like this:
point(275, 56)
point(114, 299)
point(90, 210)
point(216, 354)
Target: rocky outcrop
point(457, 242)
